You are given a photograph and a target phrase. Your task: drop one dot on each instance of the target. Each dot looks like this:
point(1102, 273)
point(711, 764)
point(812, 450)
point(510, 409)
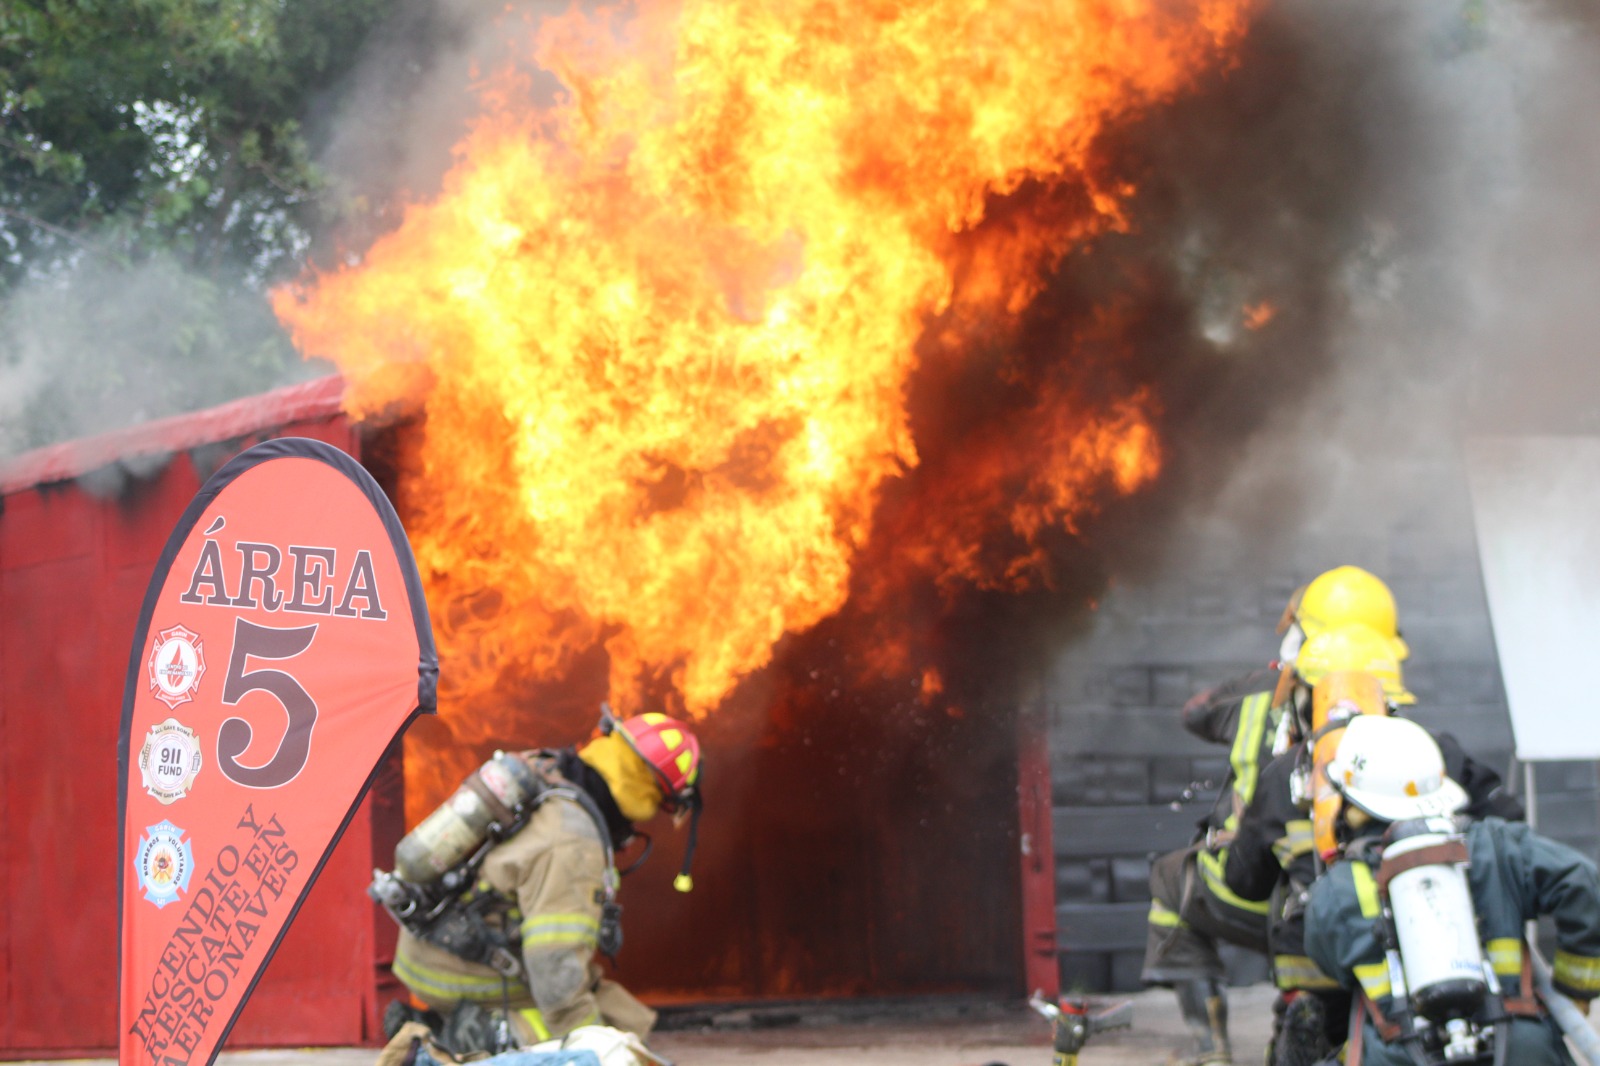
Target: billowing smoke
point(1413, 185)
point(99, 332)
point(145, 297)
point(104, 344)
point(1411, 188)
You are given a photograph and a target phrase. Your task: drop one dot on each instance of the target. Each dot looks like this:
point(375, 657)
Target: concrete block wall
point(1129, 782)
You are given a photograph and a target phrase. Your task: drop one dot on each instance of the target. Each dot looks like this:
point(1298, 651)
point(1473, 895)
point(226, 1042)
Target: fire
point(662, 332)
point(1258, 315)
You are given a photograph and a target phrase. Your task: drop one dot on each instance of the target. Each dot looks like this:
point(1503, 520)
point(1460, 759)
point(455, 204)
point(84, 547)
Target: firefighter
point(1387, 771)
point(1339, 597)
point(1187, 916)
point(1273, 855)
point(1191, 907)
point(544, 890)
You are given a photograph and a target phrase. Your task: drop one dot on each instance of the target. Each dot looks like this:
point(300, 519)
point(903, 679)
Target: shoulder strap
point(556, 785)
point(592, 809)
point(1448, 853)
point(609, 937)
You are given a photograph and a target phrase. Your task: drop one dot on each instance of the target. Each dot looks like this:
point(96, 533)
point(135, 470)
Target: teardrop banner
point(284, 643)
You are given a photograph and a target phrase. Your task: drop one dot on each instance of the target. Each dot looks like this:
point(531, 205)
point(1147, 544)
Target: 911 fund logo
point(177, 662)
point(169, 761)
point(164, 863)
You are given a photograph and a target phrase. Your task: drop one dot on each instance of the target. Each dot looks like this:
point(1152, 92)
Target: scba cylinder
point(492, 795)
point(1435, 923)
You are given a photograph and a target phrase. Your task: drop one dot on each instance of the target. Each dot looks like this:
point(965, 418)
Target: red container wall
point(1036, 843)
point(75, 558)
point(845, 852)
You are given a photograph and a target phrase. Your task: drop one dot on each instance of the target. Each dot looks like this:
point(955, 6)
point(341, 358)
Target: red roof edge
point(317, 398)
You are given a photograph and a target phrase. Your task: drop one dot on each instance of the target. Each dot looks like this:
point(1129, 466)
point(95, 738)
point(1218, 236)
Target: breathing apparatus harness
point(432, 892)
point(1446, 1005)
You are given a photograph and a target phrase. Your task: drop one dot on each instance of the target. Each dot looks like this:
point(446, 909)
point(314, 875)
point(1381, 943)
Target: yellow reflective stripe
point(1577, 971)
point(1246, 754)
point(442, 985)
point(558, 940)
point(1296, 841)
point(1366, 890)
point(1505, 956)
point(535, 1022)
point(1374, 978)
point(560, 928)
point(1162, 915)
point(1299, 971)
point(1217, 882)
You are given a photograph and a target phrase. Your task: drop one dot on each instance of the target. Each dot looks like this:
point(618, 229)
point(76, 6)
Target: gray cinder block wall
point(1130, 783)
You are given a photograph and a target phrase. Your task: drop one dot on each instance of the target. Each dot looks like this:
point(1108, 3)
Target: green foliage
point(136, 125)
point(158, 139)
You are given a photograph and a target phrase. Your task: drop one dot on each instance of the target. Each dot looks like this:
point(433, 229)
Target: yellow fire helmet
point(1357, 648)
point(1341, 596)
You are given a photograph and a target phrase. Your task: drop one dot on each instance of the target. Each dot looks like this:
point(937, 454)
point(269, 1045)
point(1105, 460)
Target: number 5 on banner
point(266, 642)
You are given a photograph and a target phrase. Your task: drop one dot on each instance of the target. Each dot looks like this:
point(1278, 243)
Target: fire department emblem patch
point(177, 662)
point(163, 863)
point(169, 761)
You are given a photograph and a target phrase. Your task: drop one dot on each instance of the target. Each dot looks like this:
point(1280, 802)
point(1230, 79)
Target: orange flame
point(1257, 315)
point(662, 331)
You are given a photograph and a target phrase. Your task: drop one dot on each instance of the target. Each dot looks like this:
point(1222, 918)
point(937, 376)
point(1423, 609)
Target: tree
point(158, 138)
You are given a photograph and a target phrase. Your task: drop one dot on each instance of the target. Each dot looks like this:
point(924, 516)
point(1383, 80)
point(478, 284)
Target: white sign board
point(1536, 501)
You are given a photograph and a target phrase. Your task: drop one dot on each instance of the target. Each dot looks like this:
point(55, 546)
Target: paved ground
point(911, 1036)
point(1014, 1037)
point(914, 1034)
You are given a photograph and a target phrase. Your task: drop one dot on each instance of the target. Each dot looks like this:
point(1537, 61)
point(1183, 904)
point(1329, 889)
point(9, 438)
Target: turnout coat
point(1515, 876)
point(546, 885)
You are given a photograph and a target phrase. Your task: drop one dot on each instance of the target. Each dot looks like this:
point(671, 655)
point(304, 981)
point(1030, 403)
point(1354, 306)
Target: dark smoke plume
point(1411, 190)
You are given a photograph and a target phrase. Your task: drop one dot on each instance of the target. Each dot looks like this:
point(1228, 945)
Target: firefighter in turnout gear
point(1423, 909)
point(543, 897)
point(1192, 908)
point(1274, 853)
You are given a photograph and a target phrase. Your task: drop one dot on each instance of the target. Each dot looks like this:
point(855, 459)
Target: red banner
point(284, 643)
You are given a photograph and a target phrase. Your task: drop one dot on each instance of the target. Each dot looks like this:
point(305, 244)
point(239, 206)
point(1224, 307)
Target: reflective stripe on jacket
point(1239, 714)
point(1515, 876)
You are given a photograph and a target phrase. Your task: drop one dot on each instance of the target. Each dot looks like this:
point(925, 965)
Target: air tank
point(1435, 924)
point(488, 800)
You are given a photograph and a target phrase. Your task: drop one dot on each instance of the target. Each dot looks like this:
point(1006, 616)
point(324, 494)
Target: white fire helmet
point(1391, 768)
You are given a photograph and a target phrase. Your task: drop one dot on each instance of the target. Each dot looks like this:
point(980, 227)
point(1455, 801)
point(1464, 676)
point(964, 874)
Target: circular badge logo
point(163, 863)
point(177, 662)
point(169, 761)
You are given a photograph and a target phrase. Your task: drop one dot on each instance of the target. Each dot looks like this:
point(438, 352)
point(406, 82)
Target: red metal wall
point(75, 556)
point(845, 853)
point(1036, 842)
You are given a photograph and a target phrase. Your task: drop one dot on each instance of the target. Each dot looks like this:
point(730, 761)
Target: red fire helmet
point(671, 749)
